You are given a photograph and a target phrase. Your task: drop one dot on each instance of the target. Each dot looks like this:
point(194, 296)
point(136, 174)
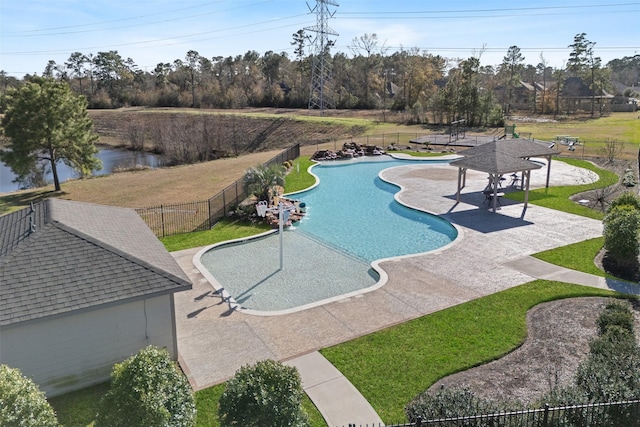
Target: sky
point(32, 32)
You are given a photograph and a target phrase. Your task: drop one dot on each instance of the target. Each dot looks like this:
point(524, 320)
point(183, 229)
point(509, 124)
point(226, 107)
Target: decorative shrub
point(265, 394)
point(612, 370)
point(147, 390)
point(615, 314)
point(628, 178)
point(621, 234)
point(453, 402)
point(22, 404)
point(626, 198)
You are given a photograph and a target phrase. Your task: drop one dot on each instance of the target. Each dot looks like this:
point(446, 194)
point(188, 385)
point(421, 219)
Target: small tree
point(46, 122)
point(611, 149)
point(266, 394)
point(263, 181)
point(147, 390)
point(22, 404)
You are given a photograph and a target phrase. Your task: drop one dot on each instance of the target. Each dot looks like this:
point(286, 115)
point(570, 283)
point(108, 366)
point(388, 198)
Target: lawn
point(558, 198)
point(299, 178)
point(223, 230)
point(394, 365)
point(623, 127)
point(79, 408)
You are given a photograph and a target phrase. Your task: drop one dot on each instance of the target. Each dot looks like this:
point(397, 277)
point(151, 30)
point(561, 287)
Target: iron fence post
point(224, 203)
point(545, 420)
point(162, 219)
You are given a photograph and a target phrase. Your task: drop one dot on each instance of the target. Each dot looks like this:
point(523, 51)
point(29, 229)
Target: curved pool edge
point(207, 274)
point(396, 197)
point(383, 277)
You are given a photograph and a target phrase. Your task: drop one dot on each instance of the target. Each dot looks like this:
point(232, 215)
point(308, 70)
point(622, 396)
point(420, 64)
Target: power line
point(512, 9)
point(415, 16)
point(136, 25)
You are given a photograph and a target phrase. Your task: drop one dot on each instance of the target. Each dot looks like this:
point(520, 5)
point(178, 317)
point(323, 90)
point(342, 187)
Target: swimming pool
point(354, 210)
point(352, 220)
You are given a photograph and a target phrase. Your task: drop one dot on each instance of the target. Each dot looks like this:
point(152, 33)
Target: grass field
point(623, 127)
point(200, 181)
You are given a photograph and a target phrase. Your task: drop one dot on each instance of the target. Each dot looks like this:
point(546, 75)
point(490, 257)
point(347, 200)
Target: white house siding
point(71, 352)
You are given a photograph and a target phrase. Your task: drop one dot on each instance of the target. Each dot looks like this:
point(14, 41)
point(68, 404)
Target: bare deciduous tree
point(612, 149)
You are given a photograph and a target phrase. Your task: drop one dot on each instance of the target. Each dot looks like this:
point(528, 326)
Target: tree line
point(430, 87)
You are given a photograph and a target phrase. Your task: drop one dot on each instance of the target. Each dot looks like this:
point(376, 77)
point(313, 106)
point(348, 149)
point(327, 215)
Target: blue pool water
point(352, 219)
point(354, 210)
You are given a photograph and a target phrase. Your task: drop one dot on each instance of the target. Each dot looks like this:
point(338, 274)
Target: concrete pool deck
point(492, 250)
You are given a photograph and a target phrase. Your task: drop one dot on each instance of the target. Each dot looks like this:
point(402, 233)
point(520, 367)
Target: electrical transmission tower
point(321, 93)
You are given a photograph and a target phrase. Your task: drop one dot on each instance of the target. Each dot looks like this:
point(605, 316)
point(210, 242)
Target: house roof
point(63, 256)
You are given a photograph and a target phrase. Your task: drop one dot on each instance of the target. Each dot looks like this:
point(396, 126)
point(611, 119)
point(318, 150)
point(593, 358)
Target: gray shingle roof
point(514, 147)
point(495, 162)
point(504, 156)
point(79, 256)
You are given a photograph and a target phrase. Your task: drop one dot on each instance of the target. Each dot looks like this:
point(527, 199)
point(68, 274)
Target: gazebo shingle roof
point(513, 147)
point(65, 256)
point(495, 162)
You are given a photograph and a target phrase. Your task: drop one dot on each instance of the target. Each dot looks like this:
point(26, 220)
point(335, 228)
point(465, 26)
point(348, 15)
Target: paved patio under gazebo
point(501, 157)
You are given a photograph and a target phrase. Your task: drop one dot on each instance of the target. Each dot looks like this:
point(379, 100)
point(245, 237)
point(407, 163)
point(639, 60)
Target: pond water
point(111, 158)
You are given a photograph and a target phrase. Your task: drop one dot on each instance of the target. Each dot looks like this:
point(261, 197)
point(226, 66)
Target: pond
point(112, 159)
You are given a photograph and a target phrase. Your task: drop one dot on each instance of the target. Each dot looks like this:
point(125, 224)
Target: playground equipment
point(511, 130)
point(457, 130)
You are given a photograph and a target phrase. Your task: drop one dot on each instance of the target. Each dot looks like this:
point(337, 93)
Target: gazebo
point(504, 157)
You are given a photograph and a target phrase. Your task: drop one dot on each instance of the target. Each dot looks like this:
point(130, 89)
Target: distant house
point(82, 286)
point(577, 95)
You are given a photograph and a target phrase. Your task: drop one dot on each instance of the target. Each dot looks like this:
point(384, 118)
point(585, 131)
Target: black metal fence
point(616, 414)
point(178, 218)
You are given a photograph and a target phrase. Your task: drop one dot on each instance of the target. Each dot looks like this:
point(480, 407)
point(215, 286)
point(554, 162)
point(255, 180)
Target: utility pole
point(321, 93)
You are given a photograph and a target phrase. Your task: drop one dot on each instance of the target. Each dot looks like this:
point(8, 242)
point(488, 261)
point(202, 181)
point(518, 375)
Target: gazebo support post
point(548, 170)
point(526, 174)
point(494, 200)
point(462, 178)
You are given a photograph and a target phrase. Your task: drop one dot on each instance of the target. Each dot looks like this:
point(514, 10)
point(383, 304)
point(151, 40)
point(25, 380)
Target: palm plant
point(263, 181)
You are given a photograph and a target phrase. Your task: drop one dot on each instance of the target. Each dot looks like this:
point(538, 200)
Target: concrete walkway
point(492, 251)
point(339, 402)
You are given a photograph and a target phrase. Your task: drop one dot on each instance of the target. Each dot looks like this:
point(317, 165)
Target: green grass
point(207, 406)
point(222, 231)
point(625, 127)
point(421, 153)
point(578, 256)
point(558, 198)
point(16, 201)
point(392, 366)
point(299, 177)
point(79, 408)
